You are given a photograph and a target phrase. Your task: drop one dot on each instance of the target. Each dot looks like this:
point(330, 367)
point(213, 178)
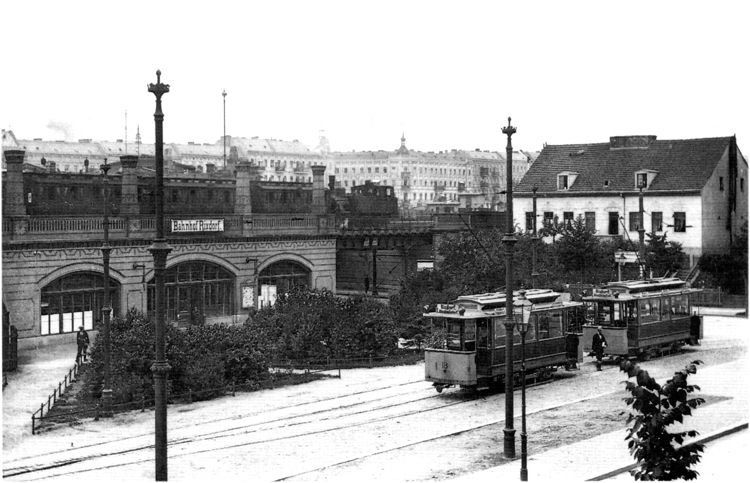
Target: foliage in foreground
point(201, 358)
point(654, 408)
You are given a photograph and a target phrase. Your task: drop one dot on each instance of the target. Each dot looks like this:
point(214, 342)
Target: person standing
point(82, 340)
point(598, 343)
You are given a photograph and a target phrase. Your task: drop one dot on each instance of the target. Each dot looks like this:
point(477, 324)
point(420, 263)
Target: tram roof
point(494, 298)
point(638, 289)
point(493, 304)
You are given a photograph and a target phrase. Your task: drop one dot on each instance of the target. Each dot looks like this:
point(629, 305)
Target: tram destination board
point(191, 226)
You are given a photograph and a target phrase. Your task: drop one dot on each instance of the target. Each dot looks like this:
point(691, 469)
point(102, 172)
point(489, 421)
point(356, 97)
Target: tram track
point(255, 428)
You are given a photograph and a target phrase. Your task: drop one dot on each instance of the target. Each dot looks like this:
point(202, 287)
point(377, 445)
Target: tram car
point(642, 318)
point(472, 352)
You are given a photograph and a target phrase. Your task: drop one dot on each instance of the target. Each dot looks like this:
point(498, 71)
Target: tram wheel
point(439, 388)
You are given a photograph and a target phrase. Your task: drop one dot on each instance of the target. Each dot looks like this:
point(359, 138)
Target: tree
point(663, 257)
point(661, 454)
point(578, 248)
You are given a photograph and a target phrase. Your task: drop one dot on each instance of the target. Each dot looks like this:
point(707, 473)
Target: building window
point(656, 221)
point(721, 183)
point(346, 169)
point(529, 221)
point(590, 218)
point(568, 218)
point(641, 180)
point(562, 182)
point(75, 300)
point(679, 221)
point(614, 223)
point(634, 221)
point(548, 216)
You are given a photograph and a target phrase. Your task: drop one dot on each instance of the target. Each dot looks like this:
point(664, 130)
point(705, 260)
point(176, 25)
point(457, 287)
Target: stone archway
point(280, 277)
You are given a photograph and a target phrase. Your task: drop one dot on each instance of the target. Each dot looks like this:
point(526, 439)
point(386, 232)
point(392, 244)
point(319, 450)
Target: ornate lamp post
point(509, 439)
point(107, 304)
point(523, 314)
point(160, 249)
point(224, 95)
point(534, 239)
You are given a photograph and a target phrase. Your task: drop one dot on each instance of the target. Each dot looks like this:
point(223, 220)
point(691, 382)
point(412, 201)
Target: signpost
point(623, 257)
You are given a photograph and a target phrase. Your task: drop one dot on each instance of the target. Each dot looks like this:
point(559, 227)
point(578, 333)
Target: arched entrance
point(280, 278)
point(75, 300)
point(196, 291)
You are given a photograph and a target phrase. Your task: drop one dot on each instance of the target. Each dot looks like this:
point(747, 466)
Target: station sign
point(626, 257)
point(191, 226)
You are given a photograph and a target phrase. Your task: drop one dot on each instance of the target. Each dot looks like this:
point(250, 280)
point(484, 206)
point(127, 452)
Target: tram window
point(453, 336)
point(680, 305)
point(543, 322)
point(665, 308)
point(590, 312)
point(629, 311)
point(470, 336)
point(649, 309)
point(531, 333)
point(616, 315)
point(482, 333)
point(499, 329)
point(555, 324)
point(604, 313)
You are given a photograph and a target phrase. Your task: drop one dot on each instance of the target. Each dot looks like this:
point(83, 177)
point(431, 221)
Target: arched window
point(75, 300)
point(280, 278)
point(196, 291)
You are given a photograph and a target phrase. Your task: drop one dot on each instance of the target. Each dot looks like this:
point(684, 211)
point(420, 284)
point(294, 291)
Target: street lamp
point(107, 303)
point(509, 434)
point(522, 314)
point(160, 249)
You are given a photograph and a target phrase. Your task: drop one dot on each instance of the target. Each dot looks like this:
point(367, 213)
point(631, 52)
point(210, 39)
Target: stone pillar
point(318, 197)
point(14, 196)
point(129, 204)
point(242, 201)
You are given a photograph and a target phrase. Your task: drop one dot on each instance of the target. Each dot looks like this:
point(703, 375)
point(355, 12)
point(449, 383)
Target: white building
point(694, 189)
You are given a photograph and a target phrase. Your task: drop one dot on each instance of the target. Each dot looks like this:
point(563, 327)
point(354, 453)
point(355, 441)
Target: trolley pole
point(534, 239)
point(107, 303)
point(641, 233)
point(160, 249)
point(509, 240)
point(224, 95)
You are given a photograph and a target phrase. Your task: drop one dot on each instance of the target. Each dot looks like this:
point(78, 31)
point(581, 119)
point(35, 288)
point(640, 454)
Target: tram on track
point(471, 354)
point(642, 318)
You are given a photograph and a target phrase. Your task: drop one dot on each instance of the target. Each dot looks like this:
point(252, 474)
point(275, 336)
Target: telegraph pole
point(534, 239)
point(509, 240)
point(641, 233)
point(160, 249)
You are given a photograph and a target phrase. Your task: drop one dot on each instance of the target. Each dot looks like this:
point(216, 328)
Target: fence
point(283, 372)
point(62, 386)
point(715, 297)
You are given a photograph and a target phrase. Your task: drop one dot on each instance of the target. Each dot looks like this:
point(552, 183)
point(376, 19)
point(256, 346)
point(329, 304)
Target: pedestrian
point(598, 343)
point(82, 339)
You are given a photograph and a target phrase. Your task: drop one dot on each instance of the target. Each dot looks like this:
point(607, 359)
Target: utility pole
point(534, 239)
point(160, 249)
point(509, 240)
point(641, 233)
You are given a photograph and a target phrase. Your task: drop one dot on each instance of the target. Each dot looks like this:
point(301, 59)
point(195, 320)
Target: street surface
point(384, 424)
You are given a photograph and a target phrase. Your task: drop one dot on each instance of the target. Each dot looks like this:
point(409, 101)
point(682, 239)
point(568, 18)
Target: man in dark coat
point(598, 343)
point(82, 339)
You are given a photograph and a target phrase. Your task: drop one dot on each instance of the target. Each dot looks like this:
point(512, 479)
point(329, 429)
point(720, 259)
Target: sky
point(445, 74)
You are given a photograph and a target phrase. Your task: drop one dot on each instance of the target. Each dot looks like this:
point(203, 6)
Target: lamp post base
point(106, 408)
point(509, 443)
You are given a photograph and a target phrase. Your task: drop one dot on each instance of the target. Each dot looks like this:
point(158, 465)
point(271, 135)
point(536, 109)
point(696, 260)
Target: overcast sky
point(447, 74)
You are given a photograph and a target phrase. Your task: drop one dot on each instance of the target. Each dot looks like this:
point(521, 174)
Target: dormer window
point(565, 180)
point(644, 178)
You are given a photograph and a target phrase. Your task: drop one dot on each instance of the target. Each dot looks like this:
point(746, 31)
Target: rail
point(58, 392)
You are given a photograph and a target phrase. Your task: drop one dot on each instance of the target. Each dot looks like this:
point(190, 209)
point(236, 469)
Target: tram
point(471, 354)
point(642, 318)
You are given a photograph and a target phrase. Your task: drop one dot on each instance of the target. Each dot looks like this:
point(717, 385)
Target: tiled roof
point(683, 164)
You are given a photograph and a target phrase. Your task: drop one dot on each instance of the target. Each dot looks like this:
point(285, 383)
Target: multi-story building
point(424, 180)
point(693, 189)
